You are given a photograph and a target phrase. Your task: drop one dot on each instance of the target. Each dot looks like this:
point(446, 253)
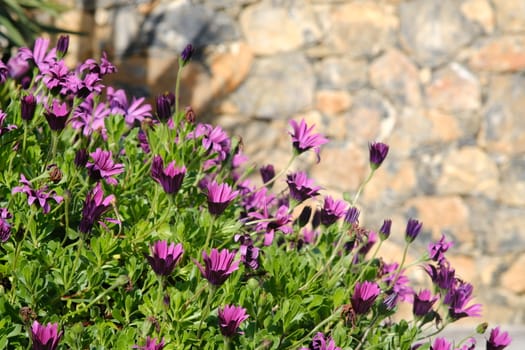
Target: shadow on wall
point(145, 39)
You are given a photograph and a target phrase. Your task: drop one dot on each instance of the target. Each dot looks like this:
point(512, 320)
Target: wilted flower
point(170, 177)
point(5, 227)
point(498, 340)
point(437, 250)
point(94, 206)
point(164, 257)
point(332, 210)
point(412, 230)
point(103, 166)
point(56, 115)
point(301, 187)
point(304, 139)
point(45, 337)
point(219, 265)
point(38, 197)
point(320, 342)
point(230, 318)
point(423, 302)
point(364, 296)
point(28, 106)
point(219, 196)
point(378, 152)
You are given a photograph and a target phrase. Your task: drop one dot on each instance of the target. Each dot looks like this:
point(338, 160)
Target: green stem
point(368, 263)
point(177, 94)
point(208, 235)
point(206, 310)
point(227, 343)
point(335, 315)
point(400, 268)
point(365, 335)
point(279, 174)
point(362, 187)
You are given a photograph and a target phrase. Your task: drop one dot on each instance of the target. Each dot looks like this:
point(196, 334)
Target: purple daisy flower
point(332, 210)
point(267, 173)
point(45, 337)
point(441, 344)
point(136, 111)
point(230, 318)
point(219, 265)
point(423, 302)
point(27, 107)
point(5, 227)
point(304, 139)
point(320, 342)
point(5, 129)
point(103, 167)
point(378, 152)
point(219, 197)
point(163, 106)
point(352, 215)
point(89, 118)
point(301, 187)
point(94, 206)
point(151, 344)
point(39, 56)
point(249, 252)
point(38, 197)
point(458, 297)
point(170, 177)
point(280, 222)
point(57, 115)
point(365, 294)
point(443, 275)
point(412, 230)
point(62, 45)
point(56, 76)
point(187, 54)
point(4, 72)
point(498, 340)
point(164, 257)
point(384, 231)
point(402, 288)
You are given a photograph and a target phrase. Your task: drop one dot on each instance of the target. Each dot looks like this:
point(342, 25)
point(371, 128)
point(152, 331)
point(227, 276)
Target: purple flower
point(164, 257)
point(27, 107)
point(170, 177)
point(378, 152)
point(163, 106)
point(443, 275)
point(90, 118)
point(364, 296)
point(56, 77)
point(440, 344)
point(320, 342)
point(5, 227)
point(38, 197)
point(186, 54)
point(81, 158)
point(143, 141)
point(151, 344)
point(103, 167)
point(45, 337)
point(498, 340)
point(412, 230)
point(332, 210)
point(230, 318)
point(423, 302)
point(4, 72)
point(402, 288)
point(280, 222)
point(458, 297)
point(18, 66)
point(56, 115)
point(94, 206)
point(352, 215)
point(219, 197)
point(249, 252)
point(118, 102)
point(267, 173)
point(62, 45)
point(39, 55)
point(437, 250)
point(301, 187)
point(304, 139)
point(5, 129)
point(219, 265)
point(384, 231)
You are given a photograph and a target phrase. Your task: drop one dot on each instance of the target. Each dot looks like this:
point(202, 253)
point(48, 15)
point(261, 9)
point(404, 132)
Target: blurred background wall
point(441, 81)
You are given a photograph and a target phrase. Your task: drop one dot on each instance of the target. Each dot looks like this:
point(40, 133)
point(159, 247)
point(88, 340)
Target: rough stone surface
point(341, 73)
point(502, 121)
point(500, 54)
point(271, 29)
point(513, 279)
point(480, 12)
point(450, 82)
point(361, 28)
point(397, 77)
point(434, 30)
point(277, 87)
point(513, 181)
point(332, 102)
point(510, 15)
point(468, 171)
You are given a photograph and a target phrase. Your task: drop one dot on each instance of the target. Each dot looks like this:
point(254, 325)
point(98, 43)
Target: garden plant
point(125, 225)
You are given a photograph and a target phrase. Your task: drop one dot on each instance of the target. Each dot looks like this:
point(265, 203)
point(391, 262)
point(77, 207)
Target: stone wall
point(441, 81)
